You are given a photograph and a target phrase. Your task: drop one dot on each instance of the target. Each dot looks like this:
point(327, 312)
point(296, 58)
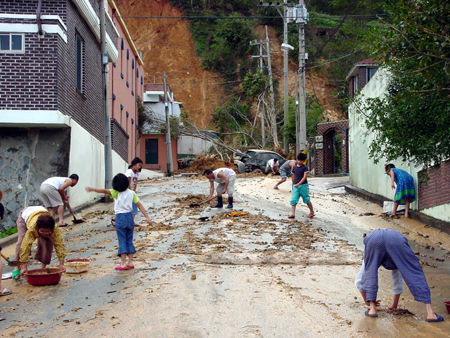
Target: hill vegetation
point(221, 87)
point(222, 31)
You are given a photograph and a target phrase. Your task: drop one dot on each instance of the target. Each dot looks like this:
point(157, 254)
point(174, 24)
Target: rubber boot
point(219, 202)
point(230, 203)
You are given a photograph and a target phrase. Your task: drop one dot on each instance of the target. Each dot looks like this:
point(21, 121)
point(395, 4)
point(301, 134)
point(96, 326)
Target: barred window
point(80, 69)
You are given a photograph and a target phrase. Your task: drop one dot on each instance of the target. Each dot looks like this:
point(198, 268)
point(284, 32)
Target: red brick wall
point(119, 140)
point(324, 158)
point(435, 191)
point(43, 78)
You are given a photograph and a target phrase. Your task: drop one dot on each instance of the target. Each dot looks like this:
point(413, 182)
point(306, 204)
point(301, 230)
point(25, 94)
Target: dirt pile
point(203, 162)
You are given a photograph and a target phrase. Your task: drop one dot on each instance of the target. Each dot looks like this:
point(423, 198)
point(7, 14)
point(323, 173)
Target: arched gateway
point(331, 148)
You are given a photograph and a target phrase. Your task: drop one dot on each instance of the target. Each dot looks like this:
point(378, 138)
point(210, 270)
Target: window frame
point(369, 69)
point(14, 51)
point(80, 68)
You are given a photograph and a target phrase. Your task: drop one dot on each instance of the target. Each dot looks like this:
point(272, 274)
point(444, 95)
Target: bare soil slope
point(168, 46)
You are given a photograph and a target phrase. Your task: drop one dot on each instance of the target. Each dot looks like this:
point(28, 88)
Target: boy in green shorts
point(300, 187)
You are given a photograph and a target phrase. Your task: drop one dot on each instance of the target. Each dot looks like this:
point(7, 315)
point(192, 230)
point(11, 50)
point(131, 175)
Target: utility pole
point(168, 137)
point(260, 56)
point(263, 132)
point(297, 116)
point(302, 18)
point(272, 98)
point(286, 69)
point(286, 78)
point(107, 119)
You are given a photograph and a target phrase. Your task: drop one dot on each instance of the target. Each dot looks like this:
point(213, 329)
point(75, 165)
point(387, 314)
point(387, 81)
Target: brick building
point(360, 74)
point(51, 98)
point(126, 76)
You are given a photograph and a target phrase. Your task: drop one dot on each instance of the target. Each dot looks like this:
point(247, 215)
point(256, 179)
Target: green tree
point(254, 83)
point(230, 117)
point(314, 116)
point(222, 42)
point(411, 121)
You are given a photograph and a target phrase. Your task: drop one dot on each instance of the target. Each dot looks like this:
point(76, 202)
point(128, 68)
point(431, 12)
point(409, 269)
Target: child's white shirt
point(123, 201)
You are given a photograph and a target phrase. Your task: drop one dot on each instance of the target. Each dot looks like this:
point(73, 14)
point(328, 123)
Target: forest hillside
point(208, 59)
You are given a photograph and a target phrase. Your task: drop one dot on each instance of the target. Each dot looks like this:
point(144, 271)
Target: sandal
point(291, 216)
point(394, 217)
point(5, 292)
point(311, 215)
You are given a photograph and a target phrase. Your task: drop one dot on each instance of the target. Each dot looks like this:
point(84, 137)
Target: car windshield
point(250, 153)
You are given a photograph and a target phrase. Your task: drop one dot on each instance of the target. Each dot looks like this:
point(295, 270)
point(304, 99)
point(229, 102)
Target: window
point(11, 43)
point(79, 50)
point(371, 72)
point(355, 83)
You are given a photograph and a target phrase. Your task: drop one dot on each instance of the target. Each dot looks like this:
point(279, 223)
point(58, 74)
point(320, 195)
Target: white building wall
point(87, 159)
point(364, 174)
point(189, 145)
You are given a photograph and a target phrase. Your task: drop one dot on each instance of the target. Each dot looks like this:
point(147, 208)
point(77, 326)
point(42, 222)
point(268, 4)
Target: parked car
point(255, 159)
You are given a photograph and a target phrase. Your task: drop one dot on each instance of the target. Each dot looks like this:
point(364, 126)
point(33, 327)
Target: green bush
point(7, 233)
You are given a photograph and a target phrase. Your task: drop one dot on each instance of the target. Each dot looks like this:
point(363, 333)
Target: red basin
point(447, 306)
point(40, 277)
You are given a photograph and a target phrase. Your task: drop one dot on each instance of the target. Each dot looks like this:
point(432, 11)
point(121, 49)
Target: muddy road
point(250, 274)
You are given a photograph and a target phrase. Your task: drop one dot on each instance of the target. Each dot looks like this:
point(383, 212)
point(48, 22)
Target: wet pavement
point(255, 275)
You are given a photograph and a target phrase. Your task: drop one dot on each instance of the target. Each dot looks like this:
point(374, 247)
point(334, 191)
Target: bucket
point(77, 265)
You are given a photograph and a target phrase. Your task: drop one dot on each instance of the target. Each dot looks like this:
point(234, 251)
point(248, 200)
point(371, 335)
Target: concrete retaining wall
point(30, 156)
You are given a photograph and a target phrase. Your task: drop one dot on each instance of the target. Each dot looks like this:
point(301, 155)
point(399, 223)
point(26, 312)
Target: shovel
point(75, 220)
point(196, 205)
point(203, 218)
point(11, 263)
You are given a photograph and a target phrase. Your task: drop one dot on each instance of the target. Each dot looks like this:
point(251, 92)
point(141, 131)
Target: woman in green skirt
point(405, 192)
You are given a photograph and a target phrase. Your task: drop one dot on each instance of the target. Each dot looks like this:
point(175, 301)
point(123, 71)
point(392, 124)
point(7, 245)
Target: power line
point(199, 17)
point(333, 60)
point(374, 16)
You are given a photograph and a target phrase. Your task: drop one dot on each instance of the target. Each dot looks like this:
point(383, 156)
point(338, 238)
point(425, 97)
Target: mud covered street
point(253, 273)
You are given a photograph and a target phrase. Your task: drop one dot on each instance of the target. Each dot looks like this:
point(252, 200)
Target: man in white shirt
point(54, 197)
point(225, 177)
point(273, 164)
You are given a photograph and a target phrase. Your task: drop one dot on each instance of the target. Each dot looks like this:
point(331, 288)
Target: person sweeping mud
point(36, 223)
point(225, 177)
point(285, 172)
point(52, 192)
point(405, 193)
point(123, 206)
point(390, 248)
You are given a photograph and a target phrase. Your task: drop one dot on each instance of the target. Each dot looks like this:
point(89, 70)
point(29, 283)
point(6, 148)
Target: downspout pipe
point(38, 18)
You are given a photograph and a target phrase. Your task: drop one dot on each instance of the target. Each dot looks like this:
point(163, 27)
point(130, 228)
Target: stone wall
point(27, 158)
